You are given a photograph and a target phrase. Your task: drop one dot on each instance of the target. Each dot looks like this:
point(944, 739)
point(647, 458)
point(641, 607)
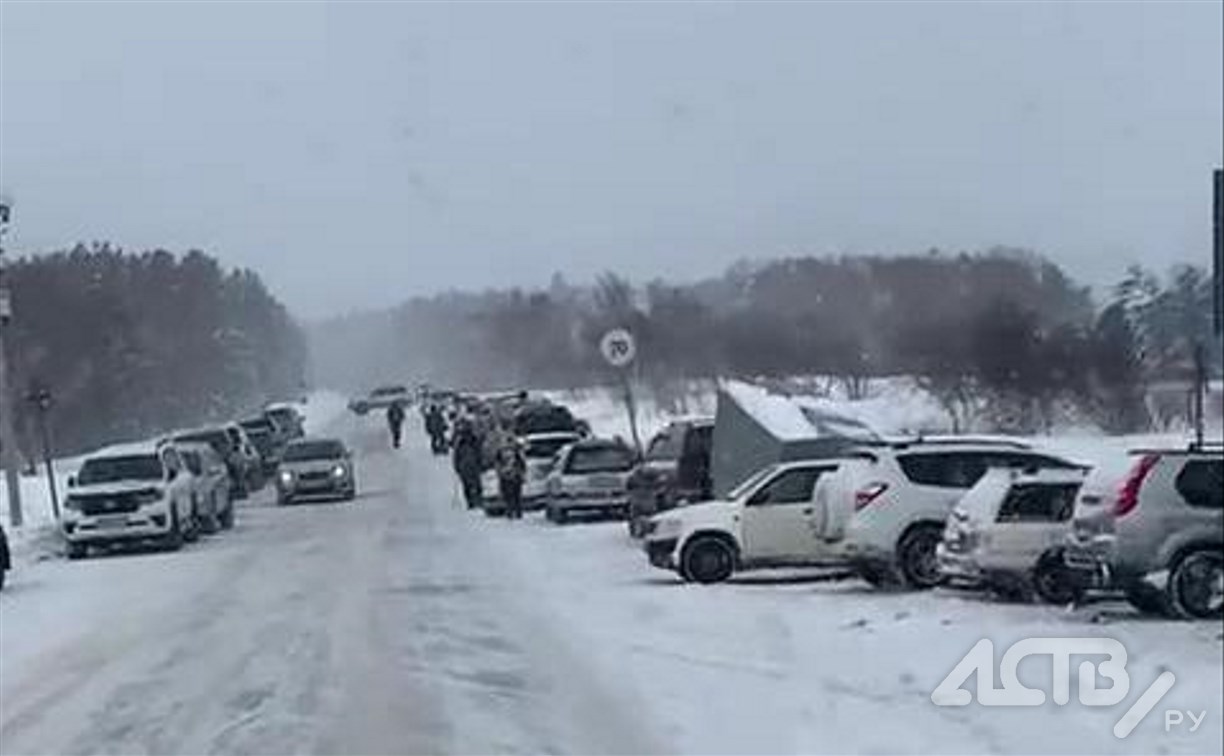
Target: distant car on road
point(211, 482)
point(315, 468)
point(590, 476)
point(1158, 534)
point(381, 398)
point(140, 492)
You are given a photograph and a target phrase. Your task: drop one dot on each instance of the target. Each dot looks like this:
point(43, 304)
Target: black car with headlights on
point(315, 468)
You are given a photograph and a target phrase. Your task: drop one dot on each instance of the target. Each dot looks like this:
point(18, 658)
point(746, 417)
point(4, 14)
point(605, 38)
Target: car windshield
point(600, 459)
point(111, 469)
point(313, 450)
point(750, 482)
point(261, 440)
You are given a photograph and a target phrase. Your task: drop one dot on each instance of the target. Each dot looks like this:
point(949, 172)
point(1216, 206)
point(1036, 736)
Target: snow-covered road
point(404, 624)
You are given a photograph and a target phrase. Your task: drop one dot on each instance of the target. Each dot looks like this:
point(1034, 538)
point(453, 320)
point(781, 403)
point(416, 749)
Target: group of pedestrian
point(481, 442)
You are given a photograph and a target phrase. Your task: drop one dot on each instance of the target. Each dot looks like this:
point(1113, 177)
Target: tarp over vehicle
point(755, 427)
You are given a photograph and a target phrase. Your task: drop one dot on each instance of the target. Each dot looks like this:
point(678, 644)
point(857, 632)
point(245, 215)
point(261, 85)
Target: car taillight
point(868, 494)
point(1128, 492)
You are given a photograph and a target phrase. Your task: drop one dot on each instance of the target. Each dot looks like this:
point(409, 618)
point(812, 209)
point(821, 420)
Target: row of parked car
point(172, 489)
point(982, 512)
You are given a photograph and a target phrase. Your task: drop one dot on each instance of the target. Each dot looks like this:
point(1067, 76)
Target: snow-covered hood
point(115, 488)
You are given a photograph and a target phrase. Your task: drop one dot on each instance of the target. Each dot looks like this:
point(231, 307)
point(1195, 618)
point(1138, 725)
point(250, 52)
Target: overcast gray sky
point(355, 154)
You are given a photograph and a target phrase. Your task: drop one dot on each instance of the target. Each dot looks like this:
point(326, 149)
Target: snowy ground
point(402, 623)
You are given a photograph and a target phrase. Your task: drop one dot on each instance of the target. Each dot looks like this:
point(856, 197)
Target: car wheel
point(1053, 582)
point(916, 557)
point(1146, 598)
point(1196, 586)
point(707, 559)
point(77, 550)
point(191, 533)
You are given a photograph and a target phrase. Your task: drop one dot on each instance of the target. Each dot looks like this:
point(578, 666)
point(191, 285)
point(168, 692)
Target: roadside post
point(619, 350)
point(42, 400)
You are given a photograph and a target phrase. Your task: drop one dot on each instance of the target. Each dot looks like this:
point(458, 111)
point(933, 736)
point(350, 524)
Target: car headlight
point(286, 478)
point(339, 472)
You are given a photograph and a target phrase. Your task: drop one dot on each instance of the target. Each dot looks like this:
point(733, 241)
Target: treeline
point(130, 344)
point(1003, 339)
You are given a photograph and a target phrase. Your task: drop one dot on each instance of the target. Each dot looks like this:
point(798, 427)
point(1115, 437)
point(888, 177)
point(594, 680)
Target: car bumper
point(1088, 561)
point(661, 552)
point(584, 502)
point(316, 490)
point(128, 527)
point(958, 565)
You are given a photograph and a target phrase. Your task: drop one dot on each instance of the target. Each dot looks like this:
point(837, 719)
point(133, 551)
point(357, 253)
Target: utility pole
point(41, 399)
point(8, 439)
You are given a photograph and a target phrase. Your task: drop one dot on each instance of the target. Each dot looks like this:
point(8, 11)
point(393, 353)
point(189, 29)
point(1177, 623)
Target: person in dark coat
point(467, 461)
point(511, 469)
point(435, 426)
point(395, 421)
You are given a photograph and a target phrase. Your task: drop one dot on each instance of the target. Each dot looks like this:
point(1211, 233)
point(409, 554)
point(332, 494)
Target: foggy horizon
point(357, 155)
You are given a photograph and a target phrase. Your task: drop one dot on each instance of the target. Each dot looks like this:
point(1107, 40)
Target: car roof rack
point(959, 440)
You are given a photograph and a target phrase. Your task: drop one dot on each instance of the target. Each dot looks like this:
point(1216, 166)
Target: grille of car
point(102, 504)
point(315, 476)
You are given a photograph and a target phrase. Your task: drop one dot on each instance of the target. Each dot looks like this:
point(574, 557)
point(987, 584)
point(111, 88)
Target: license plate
point(112, 521)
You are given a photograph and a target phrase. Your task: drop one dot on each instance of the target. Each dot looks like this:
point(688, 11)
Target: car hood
point(705, 513)
point(116, 487)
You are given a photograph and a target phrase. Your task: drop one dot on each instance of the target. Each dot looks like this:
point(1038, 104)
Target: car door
point(1033, 518)
point(779, 518)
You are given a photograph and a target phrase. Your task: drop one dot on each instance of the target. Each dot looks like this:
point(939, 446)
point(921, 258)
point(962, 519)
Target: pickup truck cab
point(769, 520)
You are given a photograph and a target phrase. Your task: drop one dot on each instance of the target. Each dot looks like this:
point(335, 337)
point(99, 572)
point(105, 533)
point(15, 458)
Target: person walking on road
point(467, 461)
point(395, 420)
point(511, 469)
point(435, 426)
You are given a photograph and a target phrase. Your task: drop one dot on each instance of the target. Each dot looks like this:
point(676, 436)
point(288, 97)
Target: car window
point(1039, 502)
point(945, 469)
point(1201, 483)
point(599, 459)
point(791, 487)
point(110, 469)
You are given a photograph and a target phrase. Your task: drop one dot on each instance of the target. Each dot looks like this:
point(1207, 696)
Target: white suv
point(769, 520)
point(886, 506)
point(131, 493)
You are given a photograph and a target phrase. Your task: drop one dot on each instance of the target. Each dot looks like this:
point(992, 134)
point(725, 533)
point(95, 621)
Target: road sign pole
point(619, 349)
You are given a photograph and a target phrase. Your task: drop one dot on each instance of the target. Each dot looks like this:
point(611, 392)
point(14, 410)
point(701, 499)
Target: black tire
point(916, 559)
point(1196, 586)
point(1146, 598)
point(1053, 583)
point(191, 533)
point(707, 559)
point(77, 550)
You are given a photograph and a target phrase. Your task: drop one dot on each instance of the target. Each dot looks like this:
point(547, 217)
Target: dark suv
point(676, 468)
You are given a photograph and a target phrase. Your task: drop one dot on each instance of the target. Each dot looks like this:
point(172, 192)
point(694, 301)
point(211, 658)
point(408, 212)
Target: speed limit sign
point(618, 347)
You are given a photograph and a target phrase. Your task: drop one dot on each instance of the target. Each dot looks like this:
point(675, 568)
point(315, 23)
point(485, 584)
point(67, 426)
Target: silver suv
point(1158, 534)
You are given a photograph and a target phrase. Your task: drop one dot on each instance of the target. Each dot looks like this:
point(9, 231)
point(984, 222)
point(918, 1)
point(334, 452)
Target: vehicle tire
point(1053, 583)
point(77, 550)
point(916, 559)
point(1196, 586)
point(707, 559)
point(1147, 598)
point(173, 541)
point(635, 527)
